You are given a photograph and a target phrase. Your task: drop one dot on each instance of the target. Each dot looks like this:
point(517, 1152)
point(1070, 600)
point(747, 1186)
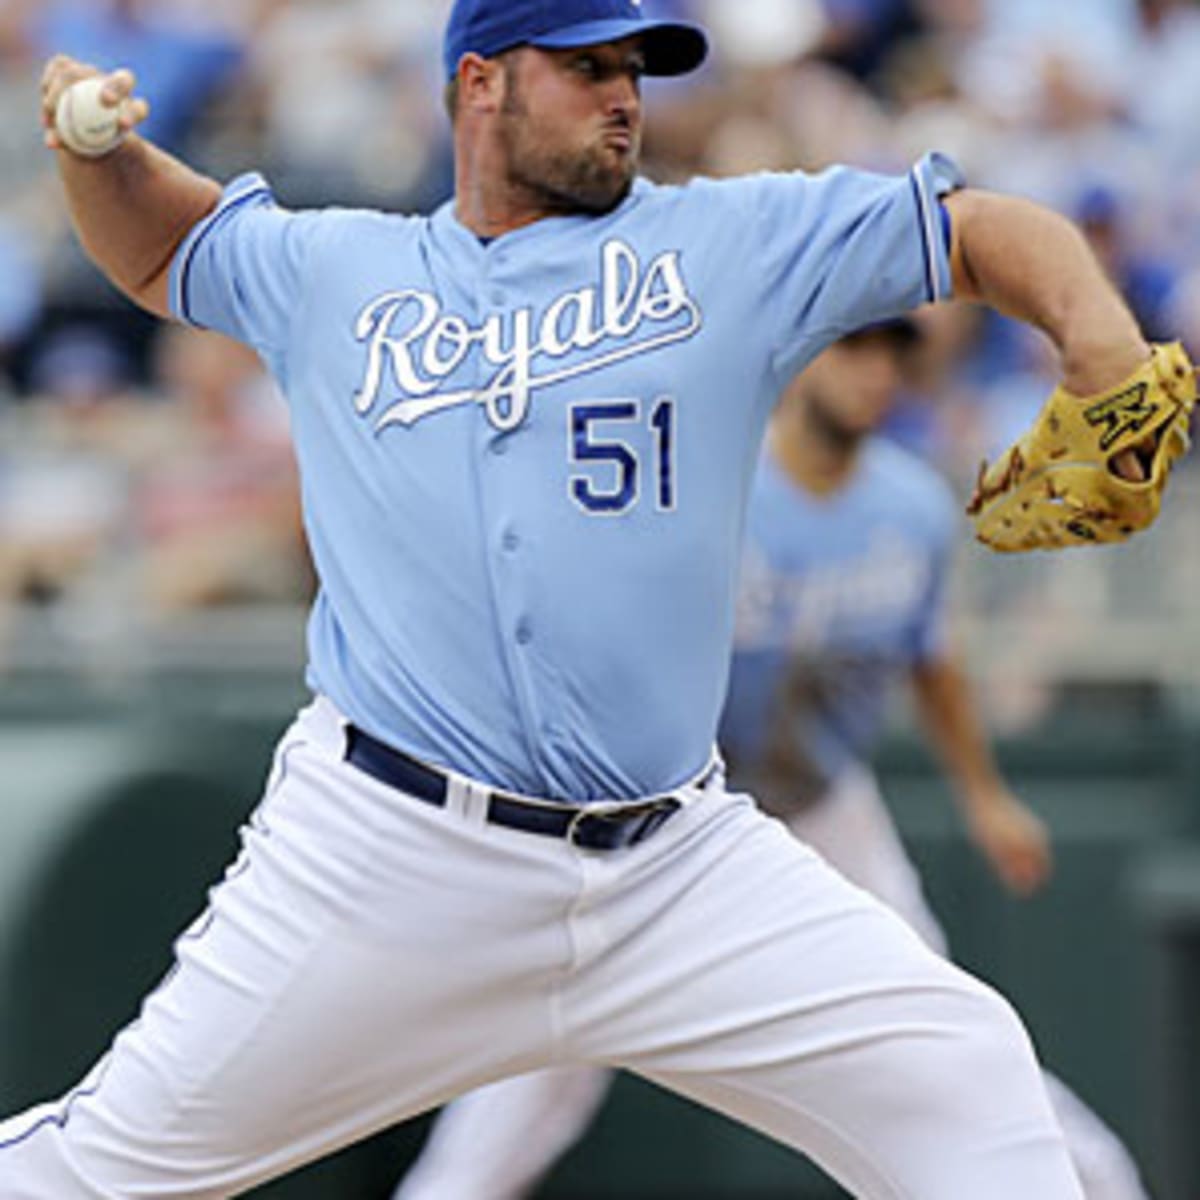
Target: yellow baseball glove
point(1059, 484)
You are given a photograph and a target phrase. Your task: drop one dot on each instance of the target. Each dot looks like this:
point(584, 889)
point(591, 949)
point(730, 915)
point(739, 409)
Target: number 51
point(616, 447)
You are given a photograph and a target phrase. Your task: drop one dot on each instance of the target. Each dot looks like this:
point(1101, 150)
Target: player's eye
point(599, 70)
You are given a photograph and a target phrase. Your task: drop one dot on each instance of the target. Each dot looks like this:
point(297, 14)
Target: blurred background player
point(849, 548)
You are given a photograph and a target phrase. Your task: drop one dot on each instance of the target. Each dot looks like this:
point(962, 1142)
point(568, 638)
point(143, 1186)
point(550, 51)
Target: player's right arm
point(132, 208)
point(1009, 834)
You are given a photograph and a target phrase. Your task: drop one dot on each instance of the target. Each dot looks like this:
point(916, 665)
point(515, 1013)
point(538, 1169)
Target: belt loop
point(458, 798)
point(326, 725)
point(475, 800)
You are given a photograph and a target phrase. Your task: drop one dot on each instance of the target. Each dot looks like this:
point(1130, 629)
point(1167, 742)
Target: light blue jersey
point(840, 594)
point(525, 463)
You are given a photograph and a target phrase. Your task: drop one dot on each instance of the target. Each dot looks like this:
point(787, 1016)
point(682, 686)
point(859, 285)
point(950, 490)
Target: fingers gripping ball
point(1063, 484)
point(86, 125)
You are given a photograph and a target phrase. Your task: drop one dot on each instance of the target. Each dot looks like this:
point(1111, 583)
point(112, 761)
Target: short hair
point(450, 99)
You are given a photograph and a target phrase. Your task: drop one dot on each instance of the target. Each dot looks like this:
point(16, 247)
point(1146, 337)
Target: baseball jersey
point(525, 462)
point(839, 595)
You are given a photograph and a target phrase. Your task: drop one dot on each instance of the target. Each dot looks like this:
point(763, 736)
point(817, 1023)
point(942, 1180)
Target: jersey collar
point(445, 221)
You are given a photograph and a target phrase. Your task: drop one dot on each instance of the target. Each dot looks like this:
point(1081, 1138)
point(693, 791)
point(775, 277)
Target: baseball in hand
point(86, 125)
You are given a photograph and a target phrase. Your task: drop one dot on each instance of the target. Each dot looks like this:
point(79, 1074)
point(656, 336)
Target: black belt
point(606, 829)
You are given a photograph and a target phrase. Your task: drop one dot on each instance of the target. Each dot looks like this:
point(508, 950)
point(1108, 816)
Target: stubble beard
point(559, 181)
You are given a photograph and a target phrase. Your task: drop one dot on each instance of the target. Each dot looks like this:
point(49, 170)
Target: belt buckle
point(661, 807)
point(574, 825)
point(589, 812)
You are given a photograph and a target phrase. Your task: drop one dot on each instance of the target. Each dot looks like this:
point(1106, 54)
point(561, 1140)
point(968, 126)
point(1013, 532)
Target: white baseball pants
point(368, 956)
point(498, 1142)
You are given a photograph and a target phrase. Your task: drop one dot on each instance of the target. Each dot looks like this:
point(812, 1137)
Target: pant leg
point(497, 1142)
point(731, 964)
point(1105, 1167)
point(367, 957)
point(853, 830)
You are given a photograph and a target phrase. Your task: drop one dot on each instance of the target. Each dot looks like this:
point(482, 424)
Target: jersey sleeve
point(846, 248)
point(241, 269)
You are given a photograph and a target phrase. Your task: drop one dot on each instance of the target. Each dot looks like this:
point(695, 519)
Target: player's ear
point(481, 83)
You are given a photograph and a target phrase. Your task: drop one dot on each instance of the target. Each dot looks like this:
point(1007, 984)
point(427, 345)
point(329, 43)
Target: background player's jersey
point(525, 463)
point(839, 595)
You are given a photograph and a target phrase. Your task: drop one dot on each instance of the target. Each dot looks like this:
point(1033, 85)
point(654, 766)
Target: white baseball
point(86, 125)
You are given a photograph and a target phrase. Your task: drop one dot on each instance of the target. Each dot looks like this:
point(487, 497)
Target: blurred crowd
point(145, 471)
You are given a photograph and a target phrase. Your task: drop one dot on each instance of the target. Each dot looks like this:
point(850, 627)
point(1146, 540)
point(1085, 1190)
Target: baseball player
point(499, 839)
point(849, 545)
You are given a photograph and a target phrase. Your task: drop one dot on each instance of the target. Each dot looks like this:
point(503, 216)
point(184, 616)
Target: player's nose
point(624, 97)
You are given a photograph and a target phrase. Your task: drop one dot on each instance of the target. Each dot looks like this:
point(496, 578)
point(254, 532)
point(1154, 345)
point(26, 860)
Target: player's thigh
point(313, 1002)
point(773, 990)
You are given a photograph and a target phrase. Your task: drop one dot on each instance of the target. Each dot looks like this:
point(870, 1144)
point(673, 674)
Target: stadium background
point(152, 571)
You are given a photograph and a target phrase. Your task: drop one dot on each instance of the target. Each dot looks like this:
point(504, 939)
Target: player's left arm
point(1030, 263)
point(1007, 832)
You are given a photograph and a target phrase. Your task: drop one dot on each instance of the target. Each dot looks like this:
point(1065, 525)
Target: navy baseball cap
point(488, 27)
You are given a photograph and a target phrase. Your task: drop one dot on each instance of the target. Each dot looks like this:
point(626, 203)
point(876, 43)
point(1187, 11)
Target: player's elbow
point(138, 263)
point(154, 295)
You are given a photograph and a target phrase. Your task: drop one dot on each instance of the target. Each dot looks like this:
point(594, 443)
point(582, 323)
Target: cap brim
point(670, 47)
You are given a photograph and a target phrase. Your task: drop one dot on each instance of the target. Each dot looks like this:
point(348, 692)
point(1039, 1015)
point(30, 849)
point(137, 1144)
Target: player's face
point(850, 388)
point(571, 124)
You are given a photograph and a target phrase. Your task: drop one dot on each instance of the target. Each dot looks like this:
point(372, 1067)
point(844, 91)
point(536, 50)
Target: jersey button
point(524, 633)
point(500, 445)
point(510, 541)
